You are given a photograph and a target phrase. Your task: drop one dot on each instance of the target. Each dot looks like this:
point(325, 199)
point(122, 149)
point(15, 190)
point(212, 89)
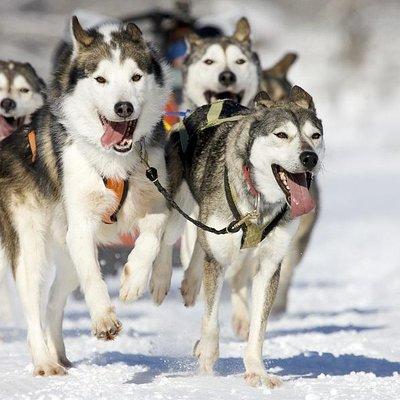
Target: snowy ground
point(340, 338)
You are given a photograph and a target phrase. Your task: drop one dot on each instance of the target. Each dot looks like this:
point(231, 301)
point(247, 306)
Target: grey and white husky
point(259, 167)
point(221, 68)
point(81, 183)
point(225, 67)
point(22, 92)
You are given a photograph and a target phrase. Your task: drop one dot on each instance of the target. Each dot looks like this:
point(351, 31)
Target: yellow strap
point(213, 114)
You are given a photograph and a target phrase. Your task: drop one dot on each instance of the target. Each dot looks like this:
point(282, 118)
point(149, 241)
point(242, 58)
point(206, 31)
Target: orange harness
point(118, 186)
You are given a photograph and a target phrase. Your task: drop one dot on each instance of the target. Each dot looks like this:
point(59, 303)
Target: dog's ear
point(40, 81)
point(81, 36)
point(281, 68)
point(300, 97)
point(192, 40)
point(263, 99)
point(134, 31)
point(242, 31)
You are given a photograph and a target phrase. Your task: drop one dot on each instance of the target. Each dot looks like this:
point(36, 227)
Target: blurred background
point(348, 50)
point(344, 305)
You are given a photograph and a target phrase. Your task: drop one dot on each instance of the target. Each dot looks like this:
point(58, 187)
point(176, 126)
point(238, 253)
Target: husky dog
point(221, 68)
point(215, 68)
point(81, 182)
point(258, 167)
point(274, 80)
point(22, 92)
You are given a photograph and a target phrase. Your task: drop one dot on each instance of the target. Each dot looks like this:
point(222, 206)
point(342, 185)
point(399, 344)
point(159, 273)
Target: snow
point(340, 338)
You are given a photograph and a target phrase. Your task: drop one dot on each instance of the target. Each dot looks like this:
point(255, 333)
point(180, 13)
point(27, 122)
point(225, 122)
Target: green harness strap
point(213, 114)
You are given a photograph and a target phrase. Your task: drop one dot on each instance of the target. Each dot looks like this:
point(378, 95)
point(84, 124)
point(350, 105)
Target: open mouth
point(118, 135)
point(214, 96)
point(9, 124)
point(296, 189)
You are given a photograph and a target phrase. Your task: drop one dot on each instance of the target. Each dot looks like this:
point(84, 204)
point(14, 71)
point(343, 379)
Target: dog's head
point(222, 68)
point(274, 80)
point(285, 149)
point(21, 94)
point(115, 88)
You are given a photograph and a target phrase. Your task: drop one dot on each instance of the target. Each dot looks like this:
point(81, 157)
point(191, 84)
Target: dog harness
point(118, 186)
point(218, 113)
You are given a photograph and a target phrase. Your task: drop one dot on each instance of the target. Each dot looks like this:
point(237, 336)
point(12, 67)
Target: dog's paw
point(207, 354)
point(257, 379)
point(133, 283)
point(241, 326)
point(160, 284)
point(190, 289)
point(65, 362)
point(49, 369)
point(107, 327)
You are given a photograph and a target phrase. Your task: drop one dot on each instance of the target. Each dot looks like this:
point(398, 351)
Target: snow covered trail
point(339, 340)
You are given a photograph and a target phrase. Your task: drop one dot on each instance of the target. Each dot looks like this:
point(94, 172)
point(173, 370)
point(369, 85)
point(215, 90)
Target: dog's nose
point(309, 159)
point(8, 104)
point(227, 78)
point(123, 109)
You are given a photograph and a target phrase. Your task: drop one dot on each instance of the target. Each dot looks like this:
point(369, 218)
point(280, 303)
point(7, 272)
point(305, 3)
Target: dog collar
point(253, 233)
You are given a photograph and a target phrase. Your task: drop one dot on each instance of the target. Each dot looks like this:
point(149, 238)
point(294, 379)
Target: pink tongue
point(113, 133)
point(5, 128)
point(301, 201)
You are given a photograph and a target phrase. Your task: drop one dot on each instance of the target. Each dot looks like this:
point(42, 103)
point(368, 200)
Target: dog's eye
point(136, 77)
point(100, 79)
point(281, 135)
point(208, 61)
point(316, 135)
point(240, 61)
point(24, 90)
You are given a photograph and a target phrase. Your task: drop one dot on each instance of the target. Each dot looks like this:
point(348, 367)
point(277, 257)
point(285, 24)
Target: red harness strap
point(248, 180)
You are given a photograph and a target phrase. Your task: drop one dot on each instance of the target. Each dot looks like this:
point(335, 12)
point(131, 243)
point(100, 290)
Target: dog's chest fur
point(86, 193)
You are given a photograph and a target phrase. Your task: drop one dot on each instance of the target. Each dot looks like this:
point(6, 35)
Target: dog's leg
point(135, 275)
point(188, 241)
point(30, 268)
point(5, 295)
point(296, 253)
point(191, 282)
point(160, 281)
point(293, 258)
point(265, 285)
point(66, 280)
point(207, 348)
point(83, 250)
point(240, 302)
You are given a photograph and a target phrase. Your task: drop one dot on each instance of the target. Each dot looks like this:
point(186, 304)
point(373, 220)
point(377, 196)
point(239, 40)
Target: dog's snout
point(309, 159)
point(227, 78)
point(123, 109)
point(8, 104)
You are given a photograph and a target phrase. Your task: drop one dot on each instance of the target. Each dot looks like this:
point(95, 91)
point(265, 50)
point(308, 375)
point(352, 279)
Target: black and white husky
point(83, 168)
point(258, 167)
point(22, 92)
